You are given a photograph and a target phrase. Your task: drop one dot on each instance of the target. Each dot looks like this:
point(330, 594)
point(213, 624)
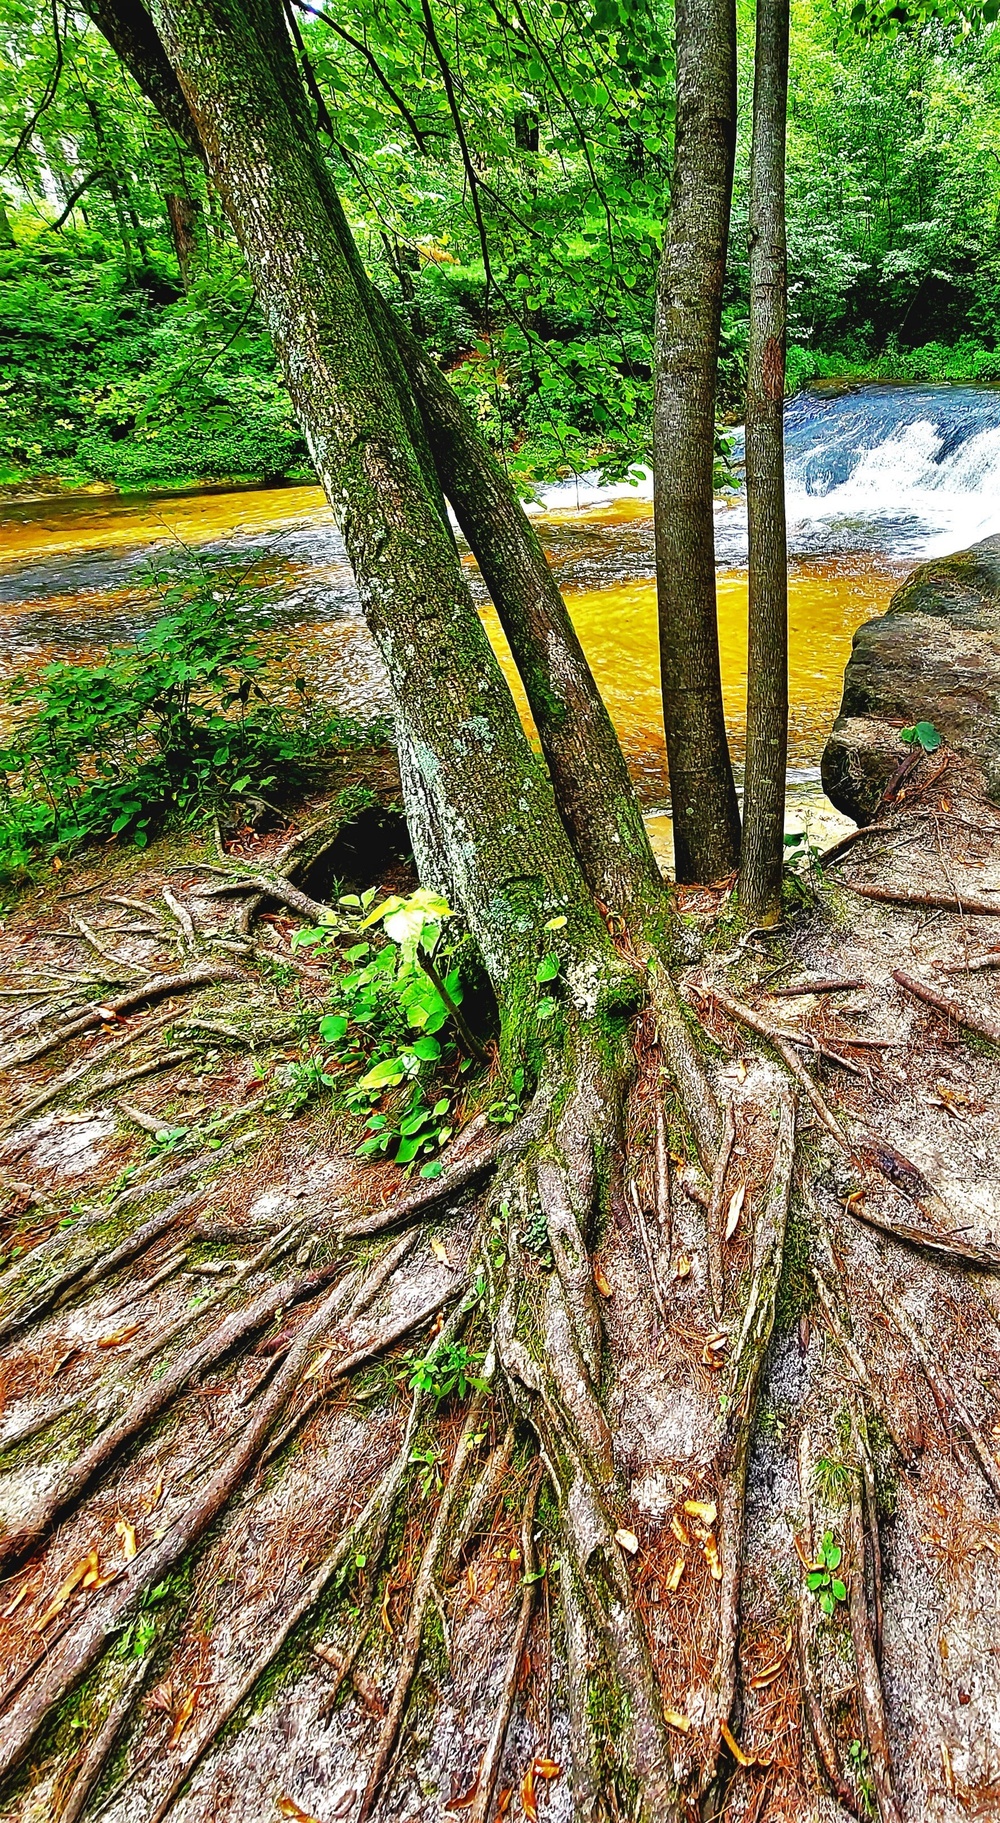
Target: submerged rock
point(933, 656)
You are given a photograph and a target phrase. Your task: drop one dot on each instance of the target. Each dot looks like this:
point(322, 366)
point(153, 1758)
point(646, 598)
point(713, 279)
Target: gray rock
point(933, 656)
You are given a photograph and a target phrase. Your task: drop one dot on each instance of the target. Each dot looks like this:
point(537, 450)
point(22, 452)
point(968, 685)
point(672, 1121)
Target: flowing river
point(877, 478)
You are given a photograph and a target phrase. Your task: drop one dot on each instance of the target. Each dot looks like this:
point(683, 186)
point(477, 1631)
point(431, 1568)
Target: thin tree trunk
point(182, 213)
point(767, 686)
point(686, 358)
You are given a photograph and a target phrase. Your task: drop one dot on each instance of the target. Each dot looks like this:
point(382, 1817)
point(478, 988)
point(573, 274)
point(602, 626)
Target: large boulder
point(933, 656)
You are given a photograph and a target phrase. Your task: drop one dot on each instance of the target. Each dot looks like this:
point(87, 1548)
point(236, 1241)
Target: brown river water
point(73, 578)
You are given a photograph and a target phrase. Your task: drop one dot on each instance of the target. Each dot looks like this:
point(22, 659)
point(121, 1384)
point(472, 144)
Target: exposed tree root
point(489, 1766)
point(79, 1070)
point(713, 1216)
point(88, 1270)
point(99, 1748)
point(682, 1059)
point(748, 1016)
point(79, 1648)
point(153, 988)
point(486, 1491)
point(75, 1478)
point(857, 1365)
point(973, 1022)
point(819, 1728)
point(953, 1248)
point(744, 1379)
point(423, 1589)
point(869, 1680)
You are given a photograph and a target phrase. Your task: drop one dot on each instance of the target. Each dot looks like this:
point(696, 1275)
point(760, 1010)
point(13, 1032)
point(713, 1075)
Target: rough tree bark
point(767, 665)
point(686, 359)
point(594, 793)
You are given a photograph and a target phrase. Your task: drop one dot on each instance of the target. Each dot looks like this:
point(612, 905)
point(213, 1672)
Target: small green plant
point(825, 1585)
point(414, 1129)
point(449, 1369)
point(859, 1761)
point(427, 1463)
point(534, 1237)
point(922, 734)
point(832, 1480)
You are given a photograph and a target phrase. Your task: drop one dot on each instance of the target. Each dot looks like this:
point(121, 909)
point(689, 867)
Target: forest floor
point(230, 1518)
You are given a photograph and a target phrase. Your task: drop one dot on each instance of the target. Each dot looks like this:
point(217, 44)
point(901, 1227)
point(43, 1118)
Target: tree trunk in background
point(767, 666)
point(182, 213)
point(686, 358)
point(508, 853)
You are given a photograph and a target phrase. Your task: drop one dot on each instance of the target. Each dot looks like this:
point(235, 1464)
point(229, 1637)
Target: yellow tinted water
point(829, 598)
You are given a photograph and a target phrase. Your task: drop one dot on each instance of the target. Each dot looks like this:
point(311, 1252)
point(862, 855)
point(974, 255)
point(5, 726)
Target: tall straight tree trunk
point(686, 359)
point(594, 793)
point(767, 686)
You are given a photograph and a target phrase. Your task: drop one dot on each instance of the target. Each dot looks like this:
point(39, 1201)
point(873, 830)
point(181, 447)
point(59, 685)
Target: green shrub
point(172, 727)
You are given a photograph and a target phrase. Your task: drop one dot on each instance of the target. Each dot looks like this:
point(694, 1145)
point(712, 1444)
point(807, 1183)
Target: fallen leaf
point(544, 1768)
point(86, 1569)
point(155, 1497)
point(182, 1718)
point(288, 1808)
point(673, 1580)
point(675, 1719)
point(627, 1540)
point(503, 1801)
point(18, 1599)
point(683, 1266)
point(735, 1211)
point(57, 864)
point(529, 1803)
point(467, 1797)
point(120, 1336)
point(806, 1562)
point(741, 1758)
point(126, 1533)
point(601, 1282)
point(768, 1675)
point(678, 1530)
point(712, 1558)
point(318, 1365)
point(440, 1252)
point(705, 1510)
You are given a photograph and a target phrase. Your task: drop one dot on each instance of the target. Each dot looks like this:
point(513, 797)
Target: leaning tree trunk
point(767, 669)
point(686, 358)
point(594, 793)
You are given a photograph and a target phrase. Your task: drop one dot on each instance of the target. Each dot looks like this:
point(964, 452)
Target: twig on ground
point(746, 1015)
point(945, 1395)
point(664, 1214)
point(935, 901)
point(485, 1490)
point(953, 1248)
point(988, 959)
point(642, 1228)
point(181, 913)
point(827, 986)
point(857, 1363)
point(972, 1022)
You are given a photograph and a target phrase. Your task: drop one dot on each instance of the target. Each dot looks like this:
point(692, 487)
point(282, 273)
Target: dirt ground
point(162, 1655)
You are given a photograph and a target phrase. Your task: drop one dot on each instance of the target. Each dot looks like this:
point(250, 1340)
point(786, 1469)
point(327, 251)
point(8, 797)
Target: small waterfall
point(895, 471)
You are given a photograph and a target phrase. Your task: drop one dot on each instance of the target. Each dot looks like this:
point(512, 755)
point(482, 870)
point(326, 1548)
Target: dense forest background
point(505, 164)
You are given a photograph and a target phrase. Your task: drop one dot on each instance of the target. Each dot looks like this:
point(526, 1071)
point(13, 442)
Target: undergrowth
point(199, 712)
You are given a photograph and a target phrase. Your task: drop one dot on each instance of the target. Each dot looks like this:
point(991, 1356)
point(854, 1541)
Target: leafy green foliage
point(449, 1369)
point(192, 715)
point(824, 1583)
point(922, 734)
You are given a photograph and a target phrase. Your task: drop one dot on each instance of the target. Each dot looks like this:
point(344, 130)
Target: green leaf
point(922, 734)
point(333, 1027)
point(560, 922)
point(826, 1602)
point(548, 968)
point(839, 1590)
point(546, 1008)
point(816, 1579)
